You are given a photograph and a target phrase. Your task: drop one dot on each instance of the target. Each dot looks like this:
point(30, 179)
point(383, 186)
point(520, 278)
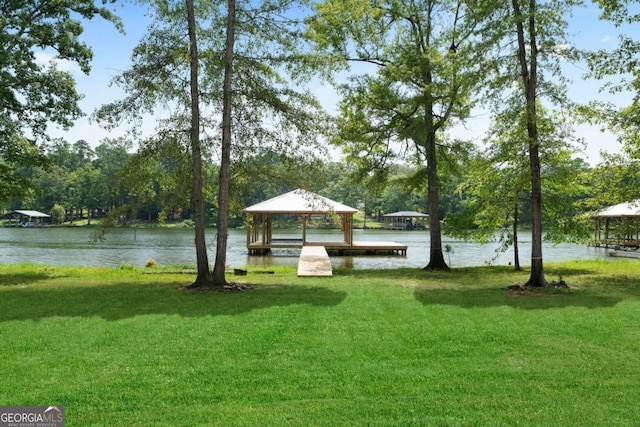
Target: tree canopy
point(34, 93)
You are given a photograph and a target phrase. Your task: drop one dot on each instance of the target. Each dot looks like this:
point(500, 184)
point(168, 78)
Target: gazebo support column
point(256, 228)
point(304, 219)
point(347, 227)
point(267, 232)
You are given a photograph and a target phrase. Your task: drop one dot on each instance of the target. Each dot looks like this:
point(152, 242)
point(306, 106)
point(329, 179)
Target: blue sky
point(112, 51)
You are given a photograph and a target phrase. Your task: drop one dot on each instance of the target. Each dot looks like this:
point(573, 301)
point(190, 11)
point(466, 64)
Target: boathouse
point(26, 218)
point(304, 204)
point(618, 226)
point(405, 220)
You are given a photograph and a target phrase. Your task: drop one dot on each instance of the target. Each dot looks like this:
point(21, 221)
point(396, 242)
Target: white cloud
point(606, 38)
point(45, 59)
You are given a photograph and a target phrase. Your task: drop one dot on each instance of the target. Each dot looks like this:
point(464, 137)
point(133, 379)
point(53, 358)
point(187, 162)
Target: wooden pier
point(367, 248)
point(314, 257)
point(314, 261)
point(333, 248)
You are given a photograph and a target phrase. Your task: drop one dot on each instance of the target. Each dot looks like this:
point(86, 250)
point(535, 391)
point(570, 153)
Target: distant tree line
point(78, 182)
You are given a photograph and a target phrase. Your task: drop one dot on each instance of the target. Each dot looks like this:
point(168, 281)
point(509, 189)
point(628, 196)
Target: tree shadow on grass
point(485, 286)
point(557, 271)
point(620, 285)
point(22, 278)
point(122, 300)
point(496, 297)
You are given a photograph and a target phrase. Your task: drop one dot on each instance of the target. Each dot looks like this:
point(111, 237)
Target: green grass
point(118, 347)
point(359, 221)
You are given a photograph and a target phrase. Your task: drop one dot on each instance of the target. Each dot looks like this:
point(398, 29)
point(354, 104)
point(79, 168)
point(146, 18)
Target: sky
point(112, 52)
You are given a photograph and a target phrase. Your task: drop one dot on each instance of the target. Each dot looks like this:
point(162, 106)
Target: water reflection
point(72, 246)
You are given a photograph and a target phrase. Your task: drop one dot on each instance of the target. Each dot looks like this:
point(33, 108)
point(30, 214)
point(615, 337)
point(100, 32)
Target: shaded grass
point(390, 347)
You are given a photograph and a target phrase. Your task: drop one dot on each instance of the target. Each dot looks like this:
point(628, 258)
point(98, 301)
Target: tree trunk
point(537, 271)
point(516, 253)
point(436, 257)
point(202, 260)
point(529, 72)
point(225, 165)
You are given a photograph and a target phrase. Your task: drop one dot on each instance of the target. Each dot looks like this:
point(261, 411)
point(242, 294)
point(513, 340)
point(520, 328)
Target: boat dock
point(305, 205)
point(333, 248)
point(367, 248)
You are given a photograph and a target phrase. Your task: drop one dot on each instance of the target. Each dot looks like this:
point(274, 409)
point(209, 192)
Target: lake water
point(72, 246)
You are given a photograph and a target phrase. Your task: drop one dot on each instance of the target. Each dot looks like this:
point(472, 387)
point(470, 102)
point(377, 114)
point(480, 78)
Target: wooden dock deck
point(335, 248)
point(367, 248)
point(314, 261)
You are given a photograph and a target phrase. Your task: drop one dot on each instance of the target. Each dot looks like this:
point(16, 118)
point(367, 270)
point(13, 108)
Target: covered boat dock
point(26, 218)
point(305, 204)
point(405, 220)
point(618, 226)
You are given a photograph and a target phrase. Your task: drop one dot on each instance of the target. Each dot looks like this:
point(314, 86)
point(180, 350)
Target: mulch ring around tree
point(523, 290)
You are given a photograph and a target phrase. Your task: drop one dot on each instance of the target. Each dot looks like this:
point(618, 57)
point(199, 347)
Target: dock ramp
point(314, 261)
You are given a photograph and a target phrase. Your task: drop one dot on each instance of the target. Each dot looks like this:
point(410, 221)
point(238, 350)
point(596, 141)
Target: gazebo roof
point(627, 209)
point(300, 202)
point(406, 214)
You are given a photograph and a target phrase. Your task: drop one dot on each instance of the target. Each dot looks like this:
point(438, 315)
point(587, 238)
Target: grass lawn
point(118, 347)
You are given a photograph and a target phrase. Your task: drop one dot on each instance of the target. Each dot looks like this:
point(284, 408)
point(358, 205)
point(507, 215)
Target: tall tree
point(423, 62)
point(497, 187)
point(531, 23)
point(34, 95)
point(258, 66)
point(202, 258)
point(528, 58)
point(225, 160)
